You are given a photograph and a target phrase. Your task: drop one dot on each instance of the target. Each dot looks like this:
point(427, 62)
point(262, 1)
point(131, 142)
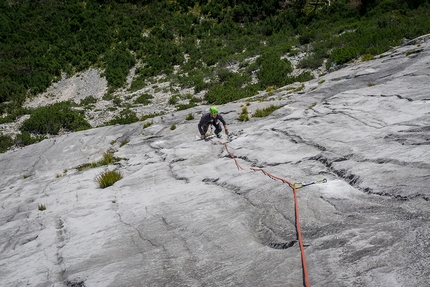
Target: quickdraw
point(302, 184)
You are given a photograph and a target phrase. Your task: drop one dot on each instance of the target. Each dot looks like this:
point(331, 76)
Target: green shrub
point(293, 52)
point(173, 127)
point(306, 37)
point(343, 55)
point(303, 77)
point(149, 116)
point(117, 101)
point(259, 113)
point(88, 101)
point(221, 94)
point(50, 119)
point(313, 61)
point(144, 99)
point(125, 117)
point(367, 57)
point(13, 112)
point(41, 207)
point(273, 71)
point(118, 63)
point(6, 142)
point(108, 178)
point(173, 100)
point(190, 117)
point(243, 117)
point(137, 84)
point(182, 107)
point(25, 138)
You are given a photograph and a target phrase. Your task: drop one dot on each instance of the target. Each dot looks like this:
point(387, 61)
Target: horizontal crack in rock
point(284, 245)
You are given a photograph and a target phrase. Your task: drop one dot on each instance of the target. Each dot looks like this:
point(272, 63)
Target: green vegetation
point(108, 178)
point(41, 207)
point(192, 44)
point(414, 52)
point(40, 40)
point(243, 117)
point(312, 105)
point(88, 102)
point(148, 124)
point(190, 117)
point(259, 113)
point(50, 119)
point(6, 142)
point(25, 138)
point(149, 116)
point(144, 99)
point(173, 127)
point(108, 158)
point(125, 117)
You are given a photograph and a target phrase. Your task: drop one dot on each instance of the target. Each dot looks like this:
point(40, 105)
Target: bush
point(221, 94)
point(273, 71)
point(50, 119)
point(343, 55)
point(25, 138)
point(243, 117)
point(117, 101)
point(137, 84)
point(182, 107)
point(88, 101)
point(13, 110)
point(144, 99)
point(173, 100)
point(303, 77)
point(190, 117)
point(312, 61)
point(118, 63)
point(108, 178)
point(6, 142)
point(125, 117)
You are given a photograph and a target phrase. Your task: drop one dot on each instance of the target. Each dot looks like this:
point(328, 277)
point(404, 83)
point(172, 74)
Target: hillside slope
point(184, 214)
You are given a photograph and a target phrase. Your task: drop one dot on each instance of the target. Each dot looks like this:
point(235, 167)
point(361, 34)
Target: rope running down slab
point(296, 207)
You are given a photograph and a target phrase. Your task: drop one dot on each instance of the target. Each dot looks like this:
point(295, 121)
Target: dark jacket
point(206, 120)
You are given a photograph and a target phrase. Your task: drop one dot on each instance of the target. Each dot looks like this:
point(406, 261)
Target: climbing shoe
point(218, 136)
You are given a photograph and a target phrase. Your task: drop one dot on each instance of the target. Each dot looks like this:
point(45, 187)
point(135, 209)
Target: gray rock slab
point(184, 214)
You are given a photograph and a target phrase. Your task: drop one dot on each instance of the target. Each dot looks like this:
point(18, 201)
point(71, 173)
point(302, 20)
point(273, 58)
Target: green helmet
point(213, 110)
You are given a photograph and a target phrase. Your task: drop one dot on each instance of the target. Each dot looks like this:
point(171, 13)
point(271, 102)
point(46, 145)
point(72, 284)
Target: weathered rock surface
point(185, 215)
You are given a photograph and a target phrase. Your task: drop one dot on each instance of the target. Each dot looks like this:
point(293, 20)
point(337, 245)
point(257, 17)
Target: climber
point(212, 118)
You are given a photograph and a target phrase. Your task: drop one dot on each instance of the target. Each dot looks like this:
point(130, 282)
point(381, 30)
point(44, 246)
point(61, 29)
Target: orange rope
point(299, 233)
point(296, 207)
point(237, 164)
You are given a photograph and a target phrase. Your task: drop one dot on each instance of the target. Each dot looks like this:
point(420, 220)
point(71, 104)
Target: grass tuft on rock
point(108, 158)
point(108, 178)
point(259, 113)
